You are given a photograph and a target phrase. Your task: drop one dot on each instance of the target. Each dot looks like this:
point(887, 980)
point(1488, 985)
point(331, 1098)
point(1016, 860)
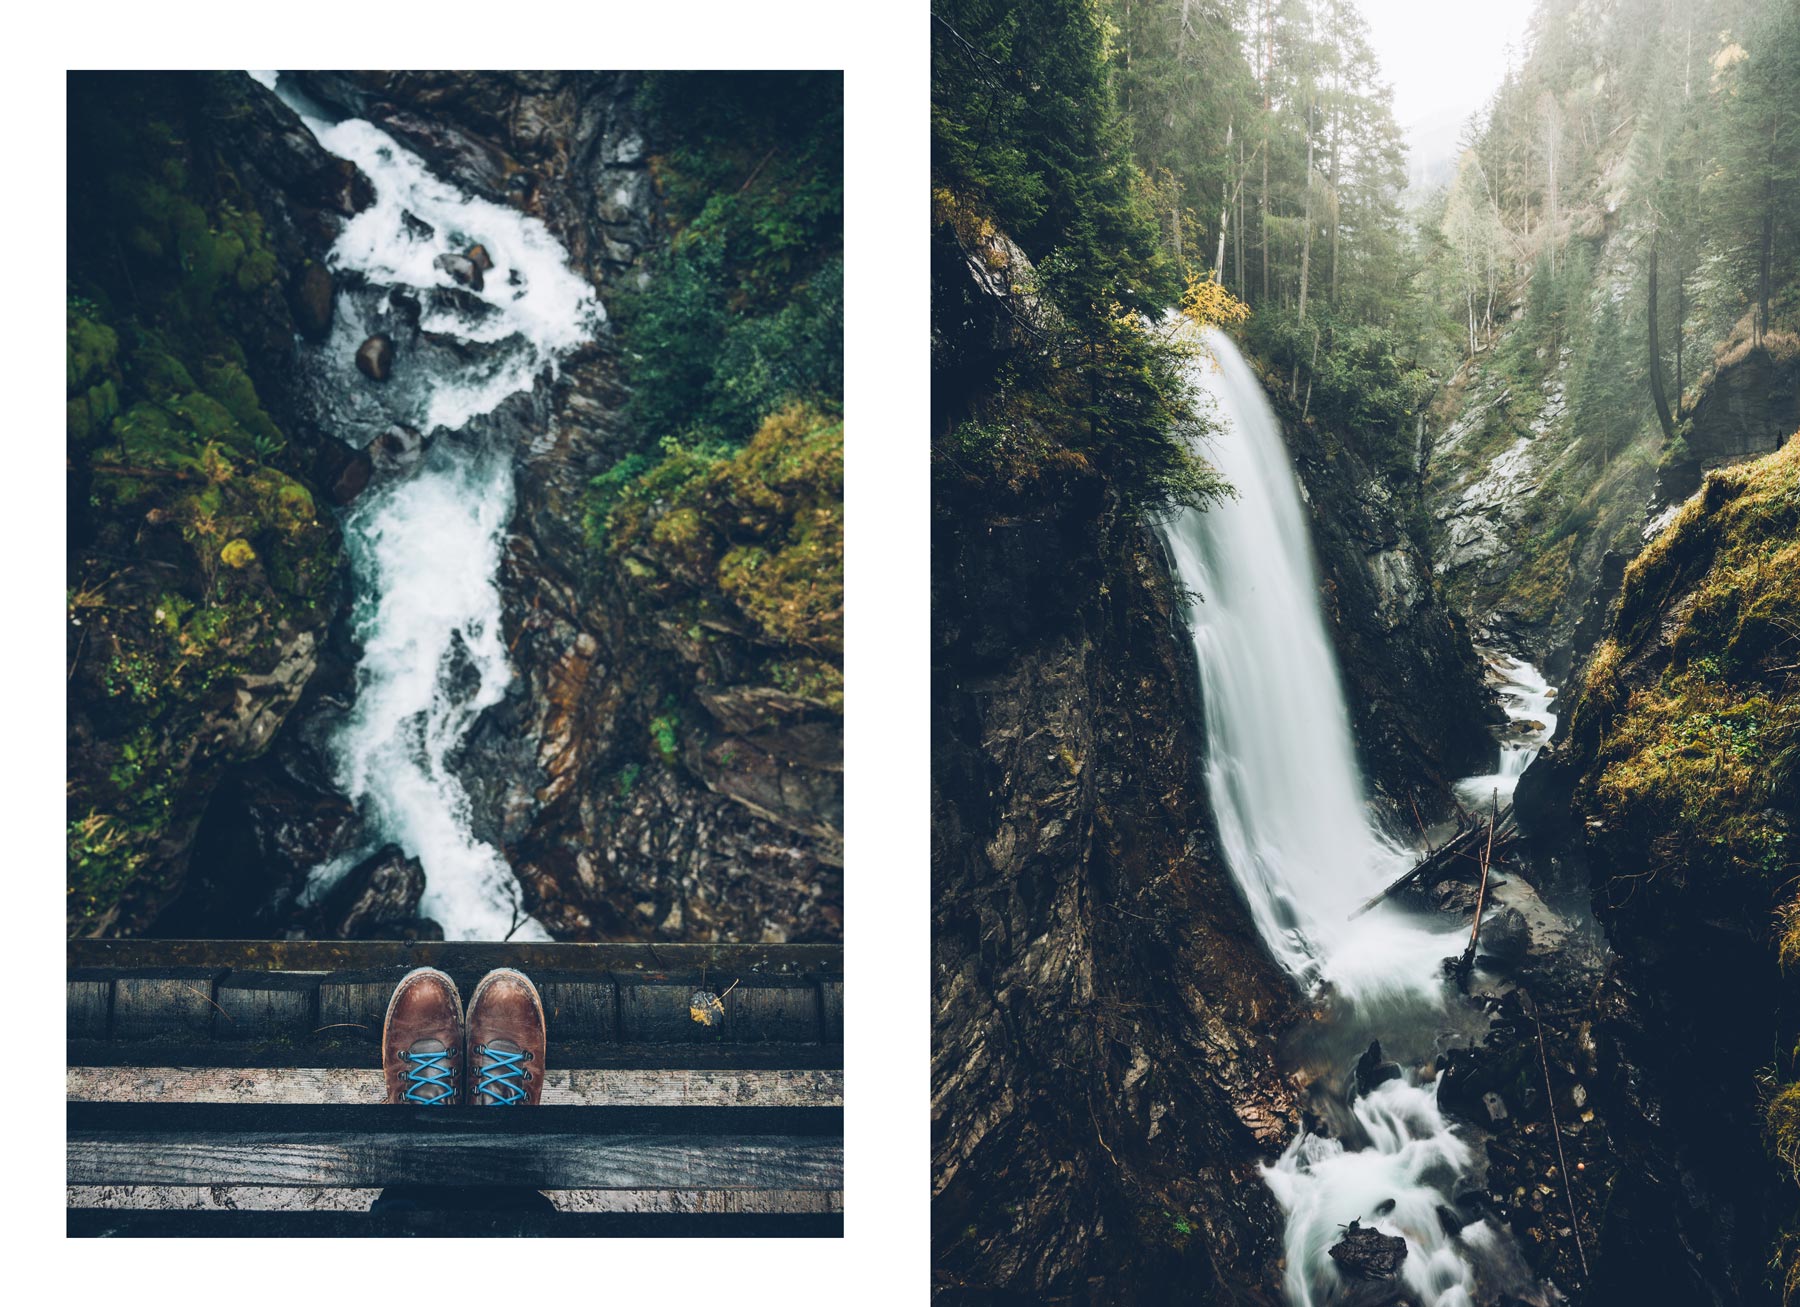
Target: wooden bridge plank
point(659, 1010)
point(831, 999)
point(90, 1004)
point(581, 1088)
point(564, 1055)
point(540, 1161)
point(353, 1004)
point(578, 1007)
point(457, 956)
point(299, 1198)
point(760, 1013)
point(267, 1005)
point(102, 1222)
point(164, 1003)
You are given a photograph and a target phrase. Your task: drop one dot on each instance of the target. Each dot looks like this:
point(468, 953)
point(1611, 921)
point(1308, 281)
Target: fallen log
point(1464, 844)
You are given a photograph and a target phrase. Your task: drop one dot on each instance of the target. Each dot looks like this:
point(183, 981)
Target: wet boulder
point(416, 226)
point(1505, 937)
point(1365, 1253)
point(375, 358)
point(1372, 1069)
point(479, 256)
point(311, 295)
point(463, 270)
point(377, 899)
point(350, 477)
point(396, 451)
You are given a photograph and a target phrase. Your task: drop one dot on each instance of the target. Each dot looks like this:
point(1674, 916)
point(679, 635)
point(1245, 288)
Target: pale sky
point(1445, 58)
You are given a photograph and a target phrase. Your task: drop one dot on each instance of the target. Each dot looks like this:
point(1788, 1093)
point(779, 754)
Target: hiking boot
point(422, 1041)
point(506, 1041)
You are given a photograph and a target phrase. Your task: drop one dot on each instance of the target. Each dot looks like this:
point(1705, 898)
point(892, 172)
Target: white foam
point(1322, 1187)
point(426, 550)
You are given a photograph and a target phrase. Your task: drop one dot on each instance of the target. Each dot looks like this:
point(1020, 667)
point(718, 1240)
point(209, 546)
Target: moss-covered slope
point(1684, 753)
point(200, 569)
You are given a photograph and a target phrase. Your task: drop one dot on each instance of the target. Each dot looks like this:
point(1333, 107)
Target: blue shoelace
point(426, 1071)
point(501, 1077)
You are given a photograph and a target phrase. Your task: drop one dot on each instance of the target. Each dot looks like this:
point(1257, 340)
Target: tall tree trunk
point(1268, 60)
point(1306, 219)
point(1656, 377)
point(1224, 201)
point(1768, 250)
point(1237, 239)
point(1680, 315)
point(1337, 118)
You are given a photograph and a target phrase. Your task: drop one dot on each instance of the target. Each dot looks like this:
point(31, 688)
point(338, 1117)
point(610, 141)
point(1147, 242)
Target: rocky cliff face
point(1105, 1020)
point(1104, 1078)
point(1674, 789)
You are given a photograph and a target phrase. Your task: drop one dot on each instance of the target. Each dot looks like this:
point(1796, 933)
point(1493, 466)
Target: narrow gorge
point(1364, 763)
point(408, 599)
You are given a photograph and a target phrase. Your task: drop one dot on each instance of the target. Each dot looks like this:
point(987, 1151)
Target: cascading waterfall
point(1297, 833)
point(1526, 696)
point(1281, 767)
point(425, 550)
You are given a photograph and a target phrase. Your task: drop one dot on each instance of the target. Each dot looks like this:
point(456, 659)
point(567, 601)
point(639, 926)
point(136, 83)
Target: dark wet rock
point(416, 226)
point(465, 304)
point(350, 476)
point(1751, 406)
point(375, 357)
point(396, 451)
point(1451, 1221)
point(478, 255)
point(376, 899)
point(1367, 1254)
point(1505, 937)
point(1372, 1070)
point(463, 271)
point(312, 295)
point(281, 814)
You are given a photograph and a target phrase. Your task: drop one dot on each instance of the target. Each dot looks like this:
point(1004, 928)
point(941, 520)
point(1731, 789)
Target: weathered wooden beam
point(87, 1222)
point(267, 1005)
point(563, 1055)
point(831, 998)
point(164, 1003)
point(353, 1004)
point(298, 1198)
point(452, 1157)
point(458, 957)
point(659, 1009)
point(89, 1004)
point(364, 1085)
point(773, 1013)
point(578, 1007)
point(348, 1122)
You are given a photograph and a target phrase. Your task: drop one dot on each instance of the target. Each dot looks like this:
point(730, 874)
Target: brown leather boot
point(506, 1041)
point(422, 1041)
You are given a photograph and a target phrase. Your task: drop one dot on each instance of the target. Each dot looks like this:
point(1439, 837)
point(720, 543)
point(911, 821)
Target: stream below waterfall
point(1306, 853)
point(425, 543)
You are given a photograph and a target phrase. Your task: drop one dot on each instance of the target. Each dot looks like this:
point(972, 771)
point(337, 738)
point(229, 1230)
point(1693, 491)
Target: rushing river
point(425, 548)
point(1300, 841)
